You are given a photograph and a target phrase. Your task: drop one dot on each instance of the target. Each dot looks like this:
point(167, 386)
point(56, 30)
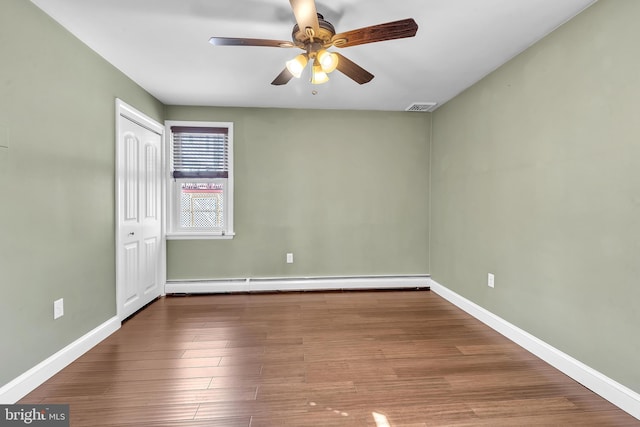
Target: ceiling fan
point(315, 36)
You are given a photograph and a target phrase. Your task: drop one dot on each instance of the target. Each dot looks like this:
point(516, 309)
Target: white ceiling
point(163, 46)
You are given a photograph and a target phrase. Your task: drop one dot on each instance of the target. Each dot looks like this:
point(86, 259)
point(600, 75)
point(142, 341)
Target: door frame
point(126, 111)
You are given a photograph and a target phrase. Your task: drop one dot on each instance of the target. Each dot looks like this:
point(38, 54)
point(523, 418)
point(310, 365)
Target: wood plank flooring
point(378, 359)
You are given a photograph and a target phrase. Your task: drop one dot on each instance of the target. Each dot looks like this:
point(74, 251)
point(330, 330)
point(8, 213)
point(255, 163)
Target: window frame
point(173, 229)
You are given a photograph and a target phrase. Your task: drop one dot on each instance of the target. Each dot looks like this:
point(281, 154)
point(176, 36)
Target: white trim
point(296, 284)
point(19, 387)
point(616, 393)
point(125, 110)
point(199, 236)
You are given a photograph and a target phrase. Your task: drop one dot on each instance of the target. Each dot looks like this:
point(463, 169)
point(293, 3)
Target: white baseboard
point(621, 396)
point(297, 284)
point(16, 389)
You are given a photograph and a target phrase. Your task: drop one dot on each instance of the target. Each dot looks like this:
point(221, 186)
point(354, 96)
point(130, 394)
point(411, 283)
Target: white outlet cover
point(289, 258)
point(490, 280)
point(58, 308)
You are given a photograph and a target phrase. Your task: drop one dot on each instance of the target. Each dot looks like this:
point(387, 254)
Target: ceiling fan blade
point(233, 41)
point(377, 33)
point(353, 70)
point(283, 78)
point(306, 14)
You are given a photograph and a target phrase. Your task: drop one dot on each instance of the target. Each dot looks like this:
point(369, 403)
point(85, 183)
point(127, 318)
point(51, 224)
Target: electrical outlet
point(58, 308)
point(289, 258)
point(491, 280)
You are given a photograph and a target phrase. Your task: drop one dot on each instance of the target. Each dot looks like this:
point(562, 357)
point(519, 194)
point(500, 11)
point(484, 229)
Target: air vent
point(422, 107)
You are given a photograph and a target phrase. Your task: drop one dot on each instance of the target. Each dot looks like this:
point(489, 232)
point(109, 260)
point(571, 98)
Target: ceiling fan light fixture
point(328, 60)
point(318, 76)
point(296, 65)
point(314, 35)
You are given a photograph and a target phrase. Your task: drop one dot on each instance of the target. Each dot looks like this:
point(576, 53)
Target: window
point(200, 173)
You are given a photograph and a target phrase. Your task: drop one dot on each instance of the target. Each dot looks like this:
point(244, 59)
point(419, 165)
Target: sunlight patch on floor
point(381, 420)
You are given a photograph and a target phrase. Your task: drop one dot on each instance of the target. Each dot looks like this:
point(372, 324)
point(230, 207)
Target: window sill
point(199, 236)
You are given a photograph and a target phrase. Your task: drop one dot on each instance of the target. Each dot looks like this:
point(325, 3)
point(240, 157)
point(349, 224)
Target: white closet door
point(139, 231)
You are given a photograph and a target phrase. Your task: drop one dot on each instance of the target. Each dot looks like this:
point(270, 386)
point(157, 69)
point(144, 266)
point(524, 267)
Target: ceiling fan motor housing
point(306, 37)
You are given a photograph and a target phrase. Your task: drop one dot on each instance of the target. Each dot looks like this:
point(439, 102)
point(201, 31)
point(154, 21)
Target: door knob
point(132, 234)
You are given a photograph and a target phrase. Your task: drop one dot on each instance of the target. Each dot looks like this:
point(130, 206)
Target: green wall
point(57, 185)
point(345, 191)
point(535, 178)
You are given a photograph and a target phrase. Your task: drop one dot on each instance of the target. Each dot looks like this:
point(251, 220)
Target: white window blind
point(200, 152)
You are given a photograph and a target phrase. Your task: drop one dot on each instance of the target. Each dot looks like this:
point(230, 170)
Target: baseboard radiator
point(272, 284)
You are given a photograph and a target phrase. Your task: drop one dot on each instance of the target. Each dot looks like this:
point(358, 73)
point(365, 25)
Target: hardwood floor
point(377, 359)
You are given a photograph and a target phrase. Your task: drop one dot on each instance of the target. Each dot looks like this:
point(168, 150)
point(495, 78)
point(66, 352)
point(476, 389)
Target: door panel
point(139, 217)
point(130, 267)
point(150, 279)
point(131, 143)
point(152, 182)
